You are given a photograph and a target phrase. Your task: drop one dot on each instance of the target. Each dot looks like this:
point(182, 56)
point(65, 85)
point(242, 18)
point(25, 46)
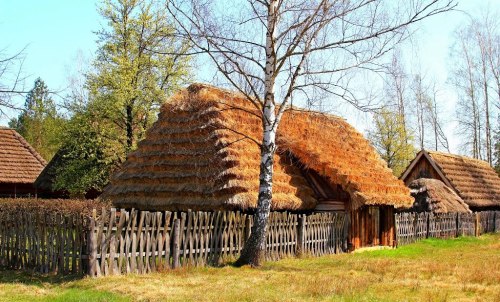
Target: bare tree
point(272, 51)
point(11, 79)
point(477, 78)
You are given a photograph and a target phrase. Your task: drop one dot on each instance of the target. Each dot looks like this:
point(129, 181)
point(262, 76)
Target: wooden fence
point(121, 242)
point(411, 227)
point(143, 242)
point(43, 242)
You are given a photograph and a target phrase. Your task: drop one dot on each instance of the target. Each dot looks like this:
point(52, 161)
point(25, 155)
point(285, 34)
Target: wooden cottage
point(20, 165)
point(474, 180)
point(201, 154)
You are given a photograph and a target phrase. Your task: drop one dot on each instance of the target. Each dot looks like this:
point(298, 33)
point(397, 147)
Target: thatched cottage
point(202, 154)
point(474, 180)
point(20, 165)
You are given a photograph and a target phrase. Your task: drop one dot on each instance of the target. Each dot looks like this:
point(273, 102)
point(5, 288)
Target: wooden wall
point(422, 169)
point(13, 190)
point(371, 226)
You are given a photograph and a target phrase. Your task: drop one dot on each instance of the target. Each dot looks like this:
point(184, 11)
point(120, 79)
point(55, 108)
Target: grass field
point(464, 269)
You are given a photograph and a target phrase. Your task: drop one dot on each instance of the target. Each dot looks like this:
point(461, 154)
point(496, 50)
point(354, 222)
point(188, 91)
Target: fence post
point(176, 244)
point(477, 229)
point(92, 247)
point(248, 227)
point(301, 233)
point(457, 224)
point(428, 225)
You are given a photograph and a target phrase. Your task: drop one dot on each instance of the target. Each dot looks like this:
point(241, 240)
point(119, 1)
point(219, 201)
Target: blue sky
point(54, 32)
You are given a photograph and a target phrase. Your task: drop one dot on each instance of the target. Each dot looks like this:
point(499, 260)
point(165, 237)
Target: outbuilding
point(473, 180)
point(20, 165)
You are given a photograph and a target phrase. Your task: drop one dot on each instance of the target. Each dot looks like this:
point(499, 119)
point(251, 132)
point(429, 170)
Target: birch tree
point(276, 51)
point(476, 75)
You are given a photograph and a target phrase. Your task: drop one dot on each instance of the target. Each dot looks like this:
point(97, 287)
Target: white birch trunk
point(254, 249)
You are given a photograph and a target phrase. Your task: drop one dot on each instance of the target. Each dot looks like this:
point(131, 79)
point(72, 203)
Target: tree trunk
point(254, 249)
point(253, 252)
point(128, 123)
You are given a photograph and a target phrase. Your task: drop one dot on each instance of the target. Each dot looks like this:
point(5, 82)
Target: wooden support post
point(176, 244)
point(301, 230)
point(347, 230)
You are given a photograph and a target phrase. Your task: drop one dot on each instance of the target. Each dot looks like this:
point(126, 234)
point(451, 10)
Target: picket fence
point(412, 227)
point(119, 241)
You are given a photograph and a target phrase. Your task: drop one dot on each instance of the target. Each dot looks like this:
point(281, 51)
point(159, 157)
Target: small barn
point(20, 165)
point(201, 154)
point(473, 180)
point(432, 195)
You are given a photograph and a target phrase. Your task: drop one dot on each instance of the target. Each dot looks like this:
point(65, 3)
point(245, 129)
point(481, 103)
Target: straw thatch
point(201, 154)
point(19, 162)
point(432, 195)
point(474, 180)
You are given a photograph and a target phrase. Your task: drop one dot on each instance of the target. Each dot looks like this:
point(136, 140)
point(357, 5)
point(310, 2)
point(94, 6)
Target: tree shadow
point(36, 279)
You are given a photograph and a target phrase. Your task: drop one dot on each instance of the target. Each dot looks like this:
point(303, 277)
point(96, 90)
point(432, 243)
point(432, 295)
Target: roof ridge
point(458, 156)
point(197, 86)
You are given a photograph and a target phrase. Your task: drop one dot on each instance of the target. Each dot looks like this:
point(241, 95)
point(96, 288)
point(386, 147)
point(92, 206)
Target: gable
point(422, 168)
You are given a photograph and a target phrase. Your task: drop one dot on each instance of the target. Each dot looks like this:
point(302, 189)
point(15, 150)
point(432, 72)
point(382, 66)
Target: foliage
point(135, 69)
point(39, 123)
point(86, 161)
point(459, 269)
point(392, 140)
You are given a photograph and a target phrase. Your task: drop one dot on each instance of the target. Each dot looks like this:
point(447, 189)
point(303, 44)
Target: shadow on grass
point(14, 276)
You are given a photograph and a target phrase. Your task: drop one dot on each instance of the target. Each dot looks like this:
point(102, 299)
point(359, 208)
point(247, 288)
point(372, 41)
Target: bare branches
point(11, 79)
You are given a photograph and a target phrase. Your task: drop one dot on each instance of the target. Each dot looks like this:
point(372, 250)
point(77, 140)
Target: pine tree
point(39, 123)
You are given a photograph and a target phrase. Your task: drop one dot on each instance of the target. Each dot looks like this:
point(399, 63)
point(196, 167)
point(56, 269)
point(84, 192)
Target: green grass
point(463, 269)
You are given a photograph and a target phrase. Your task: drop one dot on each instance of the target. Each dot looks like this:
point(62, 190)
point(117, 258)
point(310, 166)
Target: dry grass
point(465, 269)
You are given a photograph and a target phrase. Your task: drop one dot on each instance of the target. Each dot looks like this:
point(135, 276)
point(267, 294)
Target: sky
point(53, 34)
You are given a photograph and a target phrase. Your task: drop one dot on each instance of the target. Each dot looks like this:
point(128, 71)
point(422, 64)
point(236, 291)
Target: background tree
point(39, 123)
point(132, 74)
point(275, 51)
point(392, 140)
point(476, 75)
point(119, 96)
point(85, 163)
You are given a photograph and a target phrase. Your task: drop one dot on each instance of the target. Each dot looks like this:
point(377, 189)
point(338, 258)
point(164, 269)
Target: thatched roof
point(474, 180)
point(19, 162)
point(432, 195)
point(200, 155)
